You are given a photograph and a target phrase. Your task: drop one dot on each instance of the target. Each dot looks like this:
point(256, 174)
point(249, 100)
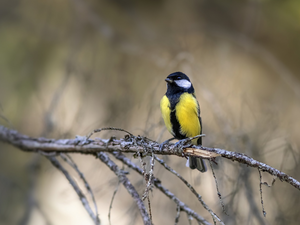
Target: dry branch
point(82, 197)
point(192, 189)
point(128, 144)
point(157, 183)
point(126, 183)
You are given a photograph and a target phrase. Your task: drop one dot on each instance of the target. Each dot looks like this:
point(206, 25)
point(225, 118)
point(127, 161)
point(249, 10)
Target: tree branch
point(244, 159)
point(129, 187)
point(157, 184)
point(131, 144)
point(192, 189)
point(82, 197)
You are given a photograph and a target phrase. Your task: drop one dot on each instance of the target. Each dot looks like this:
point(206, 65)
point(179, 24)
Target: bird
point(181, 113)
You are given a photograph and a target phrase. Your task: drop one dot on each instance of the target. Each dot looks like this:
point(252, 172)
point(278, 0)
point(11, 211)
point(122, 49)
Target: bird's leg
point(179, 144)
point(182, 142)
point(161, 146)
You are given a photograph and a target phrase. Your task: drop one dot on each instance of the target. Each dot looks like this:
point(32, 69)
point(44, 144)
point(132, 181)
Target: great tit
point(181, 113)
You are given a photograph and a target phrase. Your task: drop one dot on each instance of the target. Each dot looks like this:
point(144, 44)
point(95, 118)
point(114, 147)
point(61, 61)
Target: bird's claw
point(161, 146)
point(178, 145)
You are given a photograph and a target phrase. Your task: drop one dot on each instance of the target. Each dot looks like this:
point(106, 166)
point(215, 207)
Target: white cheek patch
point(183, 83)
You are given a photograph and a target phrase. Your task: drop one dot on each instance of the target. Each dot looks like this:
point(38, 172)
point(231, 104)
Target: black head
point(178, 82)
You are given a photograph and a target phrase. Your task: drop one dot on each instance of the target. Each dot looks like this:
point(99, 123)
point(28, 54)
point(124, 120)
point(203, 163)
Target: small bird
point(181, 113)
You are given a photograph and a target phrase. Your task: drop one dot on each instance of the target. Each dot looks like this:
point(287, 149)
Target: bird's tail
point(197, 163)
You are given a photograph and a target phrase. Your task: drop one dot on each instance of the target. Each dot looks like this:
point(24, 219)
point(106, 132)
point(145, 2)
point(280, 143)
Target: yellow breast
point(187, 115)
point(166, 111)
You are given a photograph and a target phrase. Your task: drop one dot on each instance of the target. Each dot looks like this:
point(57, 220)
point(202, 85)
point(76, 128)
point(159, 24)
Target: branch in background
point(112, 200)
point(192, 189)
point(82, 197)
point(129, 187)
point(244, 159)
point(148, 178)
point(139, 144)
point(217, 187)
point(157, 184)
point(70, 161)
point(261, 194)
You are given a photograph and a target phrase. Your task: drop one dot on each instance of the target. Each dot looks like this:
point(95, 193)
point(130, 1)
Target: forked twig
point(157, 184)
point(70, 161)
point(82, 197)
point(199, 197)
point(107, 128)
point(42, 144)
point(127, 184)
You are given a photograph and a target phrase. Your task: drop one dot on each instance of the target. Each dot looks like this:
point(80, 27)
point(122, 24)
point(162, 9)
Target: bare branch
point(149, 208)
point(129, 187)
point(107, 128)
point(244, 159)
point(112, 200)
point(261, 194)
point(199, 197)
point(82, 197)
point(157, 184)
point(217, 187)
point(129, 144)
point(70, 161)
point(149, 178)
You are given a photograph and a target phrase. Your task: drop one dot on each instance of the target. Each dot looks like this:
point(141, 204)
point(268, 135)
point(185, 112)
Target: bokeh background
point(68, 67)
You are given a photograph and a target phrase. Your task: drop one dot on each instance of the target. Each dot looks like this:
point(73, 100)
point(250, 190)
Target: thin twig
point(107, 128)
point(143, 164)
point(112, 199)
point(149, 178)
point(199, 197)
point(149, 207)
point(217, 186)
point(70, 161)
point(127, 184)
point(261, 194)
point(82, 197)
point(157, 184)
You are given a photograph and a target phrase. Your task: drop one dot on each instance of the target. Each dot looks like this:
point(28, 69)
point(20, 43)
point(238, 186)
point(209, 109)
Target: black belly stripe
point(174, 98)
point(176, 126)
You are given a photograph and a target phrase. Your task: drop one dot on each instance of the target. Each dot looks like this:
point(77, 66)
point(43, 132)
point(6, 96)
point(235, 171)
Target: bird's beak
point(168, 80)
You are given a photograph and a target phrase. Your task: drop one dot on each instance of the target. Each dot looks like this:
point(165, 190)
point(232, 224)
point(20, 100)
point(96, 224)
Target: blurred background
point(68, 67)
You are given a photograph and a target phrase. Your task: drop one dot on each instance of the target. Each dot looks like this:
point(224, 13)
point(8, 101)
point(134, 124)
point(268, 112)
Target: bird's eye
point(178, 78)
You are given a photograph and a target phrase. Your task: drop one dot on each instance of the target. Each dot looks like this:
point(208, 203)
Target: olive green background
point(68, 67)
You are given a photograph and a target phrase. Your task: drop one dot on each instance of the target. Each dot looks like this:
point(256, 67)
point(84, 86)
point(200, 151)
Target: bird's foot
point(178, 147)
point(161, 146)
